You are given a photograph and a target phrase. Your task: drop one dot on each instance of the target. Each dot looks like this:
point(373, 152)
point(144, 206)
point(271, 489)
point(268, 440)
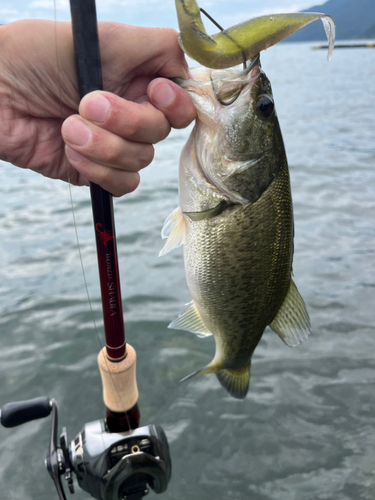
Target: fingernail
point(77, 133)
point(96, 108)
point(162, 95)
point(73, 155)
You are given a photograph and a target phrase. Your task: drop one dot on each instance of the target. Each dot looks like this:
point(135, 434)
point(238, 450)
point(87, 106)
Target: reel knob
point(13, 414)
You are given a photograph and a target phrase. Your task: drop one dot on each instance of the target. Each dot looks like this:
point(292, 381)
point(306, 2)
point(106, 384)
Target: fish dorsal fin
point(191, 320)
point(174, 229)
point(292, 322)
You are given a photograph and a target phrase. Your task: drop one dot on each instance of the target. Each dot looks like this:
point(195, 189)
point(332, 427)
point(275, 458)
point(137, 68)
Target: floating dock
point(368, 45)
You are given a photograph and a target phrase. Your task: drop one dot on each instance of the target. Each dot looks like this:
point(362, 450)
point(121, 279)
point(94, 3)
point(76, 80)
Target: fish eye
point(264, 106)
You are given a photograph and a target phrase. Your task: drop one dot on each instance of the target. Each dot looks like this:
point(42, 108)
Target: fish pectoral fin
point(174, 229)
point(191, 320)
point(292, 322)
point(236, 382)
point(210, 212)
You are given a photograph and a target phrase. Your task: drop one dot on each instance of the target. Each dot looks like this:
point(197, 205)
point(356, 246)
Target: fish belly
point(238, 269)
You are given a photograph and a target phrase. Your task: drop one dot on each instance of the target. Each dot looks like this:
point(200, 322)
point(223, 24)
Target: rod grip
point(120, 391)
point(13, 414)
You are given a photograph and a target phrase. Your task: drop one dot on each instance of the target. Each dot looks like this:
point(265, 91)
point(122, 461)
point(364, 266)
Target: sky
point(151, 12)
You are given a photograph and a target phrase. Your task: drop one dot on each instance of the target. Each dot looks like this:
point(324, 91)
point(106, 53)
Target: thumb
point(172, 101)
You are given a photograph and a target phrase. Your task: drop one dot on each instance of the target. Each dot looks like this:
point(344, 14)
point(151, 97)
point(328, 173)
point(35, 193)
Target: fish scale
point(254, 271)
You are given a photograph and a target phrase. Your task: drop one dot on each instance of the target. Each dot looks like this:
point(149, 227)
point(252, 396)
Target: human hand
point(119, 125)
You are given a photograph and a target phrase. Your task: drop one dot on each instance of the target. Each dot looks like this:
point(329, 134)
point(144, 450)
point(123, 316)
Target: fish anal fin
point(192, 321)
point(174, 229)
point(236, 382)
point(292, 322)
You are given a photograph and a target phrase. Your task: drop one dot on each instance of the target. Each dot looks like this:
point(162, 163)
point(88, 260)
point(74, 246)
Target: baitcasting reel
point(109, 466)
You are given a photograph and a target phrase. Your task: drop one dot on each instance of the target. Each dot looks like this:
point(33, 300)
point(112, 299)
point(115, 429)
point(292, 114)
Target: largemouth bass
point(235, 219)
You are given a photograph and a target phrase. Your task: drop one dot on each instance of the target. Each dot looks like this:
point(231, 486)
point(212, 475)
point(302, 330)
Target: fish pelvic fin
point(174, 229)
point(192, 321)
point(292, 322)
point(235, 381)
point(211, 368)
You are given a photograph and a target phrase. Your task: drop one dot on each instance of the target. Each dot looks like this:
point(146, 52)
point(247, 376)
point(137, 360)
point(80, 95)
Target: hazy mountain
point(370, 33)
point(354, 19)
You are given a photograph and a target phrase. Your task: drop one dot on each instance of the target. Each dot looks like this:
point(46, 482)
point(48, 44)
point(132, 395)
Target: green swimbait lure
point(243, 41)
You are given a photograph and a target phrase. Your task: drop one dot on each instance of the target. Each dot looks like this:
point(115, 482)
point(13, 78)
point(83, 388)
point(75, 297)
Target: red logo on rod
point(104, 236)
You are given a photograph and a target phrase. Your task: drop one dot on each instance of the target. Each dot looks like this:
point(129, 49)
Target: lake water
point(306, 430)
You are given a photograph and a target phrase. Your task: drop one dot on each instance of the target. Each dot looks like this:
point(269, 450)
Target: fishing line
point(211, 19)
point(228, 36)
point(70, 186)
point(70, 190)
point(75, 223)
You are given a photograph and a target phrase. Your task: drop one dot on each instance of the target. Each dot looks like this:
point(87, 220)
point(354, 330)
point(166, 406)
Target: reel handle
point(20, 412)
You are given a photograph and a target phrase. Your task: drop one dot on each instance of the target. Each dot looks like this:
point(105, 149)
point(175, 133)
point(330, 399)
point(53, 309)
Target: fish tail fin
point(236, 382)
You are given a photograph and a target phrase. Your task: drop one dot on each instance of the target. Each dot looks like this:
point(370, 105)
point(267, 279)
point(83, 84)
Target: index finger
point(140, 122)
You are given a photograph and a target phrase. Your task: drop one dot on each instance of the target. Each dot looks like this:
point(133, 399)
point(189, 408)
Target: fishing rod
point(112, 458)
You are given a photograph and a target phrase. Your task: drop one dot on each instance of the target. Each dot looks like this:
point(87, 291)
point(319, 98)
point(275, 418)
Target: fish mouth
point(225, 84)
point(227, 99)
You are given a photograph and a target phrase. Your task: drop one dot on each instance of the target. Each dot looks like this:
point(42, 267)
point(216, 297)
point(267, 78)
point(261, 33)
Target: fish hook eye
point(264, 106)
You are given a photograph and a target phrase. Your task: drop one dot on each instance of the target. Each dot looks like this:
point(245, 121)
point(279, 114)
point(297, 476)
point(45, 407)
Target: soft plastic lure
point(243, 41)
